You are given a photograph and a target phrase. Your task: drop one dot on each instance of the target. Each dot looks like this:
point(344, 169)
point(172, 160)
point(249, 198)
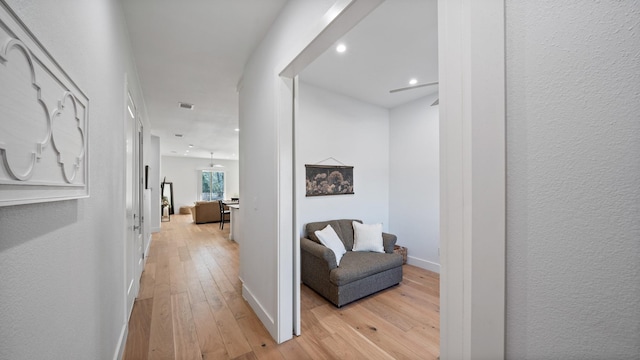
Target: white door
point(133, 248)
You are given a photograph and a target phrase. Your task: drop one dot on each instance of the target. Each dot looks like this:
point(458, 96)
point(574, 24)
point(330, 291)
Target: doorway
point(387, 127)
point(134, 246)
point(472, 106)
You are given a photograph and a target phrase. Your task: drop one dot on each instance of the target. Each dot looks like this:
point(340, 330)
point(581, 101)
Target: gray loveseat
point(360, 273)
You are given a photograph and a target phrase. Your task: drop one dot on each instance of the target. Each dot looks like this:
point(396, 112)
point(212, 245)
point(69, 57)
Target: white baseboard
point(121, 342)
point(263, 315)
point(424, 264)
point(155, 230)
point(146, 251)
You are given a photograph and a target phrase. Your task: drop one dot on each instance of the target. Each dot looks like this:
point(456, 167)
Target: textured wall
point(573, 179)
point(61, 264)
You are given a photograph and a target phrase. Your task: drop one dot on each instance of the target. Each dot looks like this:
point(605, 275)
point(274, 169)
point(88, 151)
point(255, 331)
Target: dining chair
point(223, 212)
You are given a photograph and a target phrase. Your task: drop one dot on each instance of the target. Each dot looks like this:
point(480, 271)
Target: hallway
point(190, 307)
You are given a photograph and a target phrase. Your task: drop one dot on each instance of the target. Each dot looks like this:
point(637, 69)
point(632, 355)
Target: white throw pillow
point(330, 239)
point(367, 237)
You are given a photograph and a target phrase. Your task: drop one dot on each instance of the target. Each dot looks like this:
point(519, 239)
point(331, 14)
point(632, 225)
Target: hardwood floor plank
point(147, 282)
point(384, 334)
point(212, 294)
point(233, 298)
point(406, 302)
point(184, 330)
point(196, 294)
point(209, 338)
point(247, 356)
point(428, 335)
point(161, 334)
point(311, 325)
point(311, 346)
point(190, 270)
point(176, 276)
point(162, 268)
point(344, 333)
point(183, 253)
point(264, 347)
point(137, 345)
point(234, 340)
point(341, 349)
point(291, 350)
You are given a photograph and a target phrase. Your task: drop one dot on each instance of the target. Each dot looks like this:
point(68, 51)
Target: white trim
point(146, 251)
point(125, 240)
point(121, 342)
point(285, 216)
point(297, 326)
point(423, 264)
point(472, 194)
point(257, 307)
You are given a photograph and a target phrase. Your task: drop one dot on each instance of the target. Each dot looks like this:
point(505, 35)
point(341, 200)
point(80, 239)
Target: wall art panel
point(43, 121)
point(322, 180)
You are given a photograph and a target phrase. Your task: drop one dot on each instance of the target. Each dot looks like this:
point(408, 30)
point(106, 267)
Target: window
point(212, 185)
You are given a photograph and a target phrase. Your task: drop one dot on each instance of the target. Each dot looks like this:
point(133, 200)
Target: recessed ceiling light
point(413, 81)
point(184, 105)
point(236, 129)
point(341, 48)
point(190, 145)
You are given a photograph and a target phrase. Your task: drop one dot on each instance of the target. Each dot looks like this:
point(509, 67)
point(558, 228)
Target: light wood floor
point(190, 307)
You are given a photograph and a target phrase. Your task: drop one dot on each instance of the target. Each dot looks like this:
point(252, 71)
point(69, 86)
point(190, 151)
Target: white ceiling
point(398, 41)
point(194, 51)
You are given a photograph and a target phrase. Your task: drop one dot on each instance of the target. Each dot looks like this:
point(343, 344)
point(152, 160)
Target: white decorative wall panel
point(43, 122)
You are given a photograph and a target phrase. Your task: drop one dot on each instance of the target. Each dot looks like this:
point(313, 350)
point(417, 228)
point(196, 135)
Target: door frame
point(133, 231)
point(139, 178)
point(472, 167)
point(472, 178)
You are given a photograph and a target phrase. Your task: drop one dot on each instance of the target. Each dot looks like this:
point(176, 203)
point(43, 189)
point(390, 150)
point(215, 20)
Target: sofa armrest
point(319, 253)
point(388, 241)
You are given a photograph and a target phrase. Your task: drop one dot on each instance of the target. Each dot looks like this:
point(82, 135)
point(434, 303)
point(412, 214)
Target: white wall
point(184, 173)
point(154, 182)
point(353, 132)
point(573, 180)
point(414, 191)
point(260, 149)
point(62, 263)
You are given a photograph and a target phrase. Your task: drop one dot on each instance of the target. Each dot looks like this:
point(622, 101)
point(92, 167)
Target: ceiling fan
point(411, 87)
point(212, 165)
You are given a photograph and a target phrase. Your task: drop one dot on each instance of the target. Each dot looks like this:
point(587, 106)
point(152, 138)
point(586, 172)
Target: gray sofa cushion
point(356, 265)
point(343, 228)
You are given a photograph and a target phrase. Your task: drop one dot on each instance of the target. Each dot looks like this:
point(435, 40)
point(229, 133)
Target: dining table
point(234, 217)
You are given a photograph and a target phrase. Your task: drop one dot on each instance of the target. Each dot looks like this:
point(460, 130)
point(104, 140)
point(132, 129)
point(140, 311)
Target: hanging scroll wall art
point(43, 122)
point(324, 180)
